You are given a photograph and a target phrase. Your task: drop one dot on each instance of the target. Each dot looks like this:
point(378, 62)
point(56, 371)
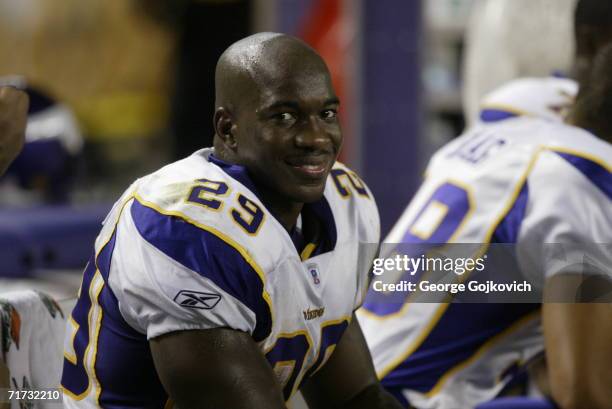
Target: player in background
point(456, 356)
point(502, 39)
point(229, 279)
point(545, 97)
point(13, 117)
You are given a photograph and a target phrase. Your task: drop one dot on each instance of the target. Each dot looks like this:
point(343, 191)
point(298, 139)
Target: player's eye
point(329, 114)
point(286, 117)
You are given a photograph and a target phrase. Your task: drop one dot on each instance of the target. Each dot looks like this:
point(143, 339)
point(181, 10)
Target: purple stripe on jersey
point(237, 172)
point(457, 200)
point(461, 331)
point(124, 365)
point(103, 261)
point(207, 255)
point(74, 376)
point(519, 402)
point(597, 174)
point(495, 115)
point(508, 230)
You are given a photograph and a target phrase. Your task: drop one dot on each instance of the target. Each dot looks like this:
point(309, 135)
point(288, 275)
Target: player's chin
point(308, 193)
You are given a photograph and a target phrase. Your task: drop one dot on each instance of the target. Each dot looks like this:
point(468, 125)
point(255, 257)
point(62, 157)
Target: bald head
point(257, 62)
point(276, 115)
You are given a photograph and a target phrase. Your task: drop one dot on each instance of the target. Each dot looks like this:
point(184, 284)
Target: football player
point(229, 279)
point(13, 117)
point(44, 170)
point(521, 177)
point(503, 36)
point(550, 97)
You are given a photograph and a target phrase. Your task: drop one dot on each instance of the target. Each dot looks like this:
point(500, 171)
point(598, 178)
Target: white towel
point(32, 327)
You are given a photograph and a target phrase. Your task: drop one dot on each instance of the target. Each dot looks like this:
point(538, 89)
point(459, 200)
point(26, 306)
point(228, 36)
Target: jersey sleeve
point(567, 226)
point(169, 274)
point(369, 236)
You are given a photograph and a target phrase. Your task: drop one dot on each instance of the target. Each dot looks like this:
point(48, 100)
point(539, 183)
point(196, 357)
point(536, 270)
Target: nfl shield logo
point(313, 270)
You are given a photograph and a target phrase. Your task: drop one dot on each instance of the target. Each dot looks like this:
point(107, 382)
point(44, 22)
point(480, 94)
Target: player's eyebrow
point(281, 104)
point(295, 105)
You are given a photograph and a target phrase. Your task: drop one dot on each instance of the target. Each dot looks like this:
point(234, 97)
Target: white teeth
point(312, 168)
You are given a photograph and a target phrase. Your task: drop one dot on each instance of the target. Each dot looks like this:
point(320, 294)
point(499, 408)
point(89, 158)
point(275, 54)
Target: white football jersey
point(191, 246)
point(528, 181)
point(546, 98)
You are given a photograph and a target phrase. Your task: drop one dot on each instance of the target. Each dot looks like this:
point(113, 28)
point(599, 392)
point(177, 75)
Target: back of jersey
point(525, 181)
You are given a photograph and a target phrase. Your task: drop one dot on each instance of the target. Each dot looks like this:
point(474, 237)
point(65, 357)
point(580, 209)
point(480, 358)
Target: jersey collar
point(320, 208)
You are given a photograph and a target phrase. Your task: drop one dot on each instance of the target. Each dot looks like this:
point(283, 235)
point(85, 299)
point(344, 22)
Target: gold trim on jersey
point(330, 349)
point(580, 154)
point(506, 108)
point(71, 355)
point(206, 195)
point(460, 227)
point(486, 242)
point(89, 358)
point(249, 205)
point(300, 376)
point(481, 351)
point(308, 250)
point(241, 250)
point(417, 342)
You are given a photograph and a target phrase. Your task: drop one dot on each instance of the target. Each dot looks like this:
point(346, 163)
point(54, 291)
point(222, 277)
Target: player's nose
point(314, 135)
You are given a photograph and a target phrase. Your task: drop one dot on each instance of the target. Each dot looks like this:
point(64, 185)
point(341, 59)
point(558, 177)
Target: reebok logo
point(195, 299)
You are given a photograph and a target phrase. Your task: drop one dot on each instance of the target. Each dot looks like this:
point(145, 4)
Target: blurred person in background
point(111, 65)
point(511, 33)
point(13, 117)
point(45, 169)
point(456, 356)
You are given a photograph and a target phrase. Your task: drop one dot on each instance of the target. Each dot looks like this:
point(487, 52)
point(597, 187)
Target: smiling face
point(285, 128)
point(291, 140)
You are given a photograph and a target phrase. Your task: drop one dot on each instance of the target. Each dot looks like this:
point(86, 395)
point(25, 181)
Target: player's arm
point(348, 379)
point(215, 368)
point(13, 116)
point(578, 339)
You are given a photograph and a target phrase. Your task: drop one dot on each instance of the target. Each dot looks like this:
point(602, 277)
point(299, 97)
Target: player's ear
point(225, 127)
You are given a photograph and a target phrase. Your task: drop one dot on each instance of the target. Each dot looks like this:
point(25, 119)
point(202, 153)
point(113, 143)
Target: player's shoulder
point(201, 190)
point(348, 184)
point(168, 186)
point(190, 222)
point(511, 148)
point(349, 194)
point(195, 201)
point(568, 149)
point(545, 97)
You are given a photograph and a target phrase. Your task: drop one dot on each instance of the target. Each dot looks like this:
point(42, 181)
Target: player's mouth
point(311, 166)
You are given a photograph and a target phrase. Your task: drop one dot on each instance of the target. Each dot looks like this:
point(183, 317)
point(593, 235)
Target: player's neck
point(286, 212)
point(589, 122)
